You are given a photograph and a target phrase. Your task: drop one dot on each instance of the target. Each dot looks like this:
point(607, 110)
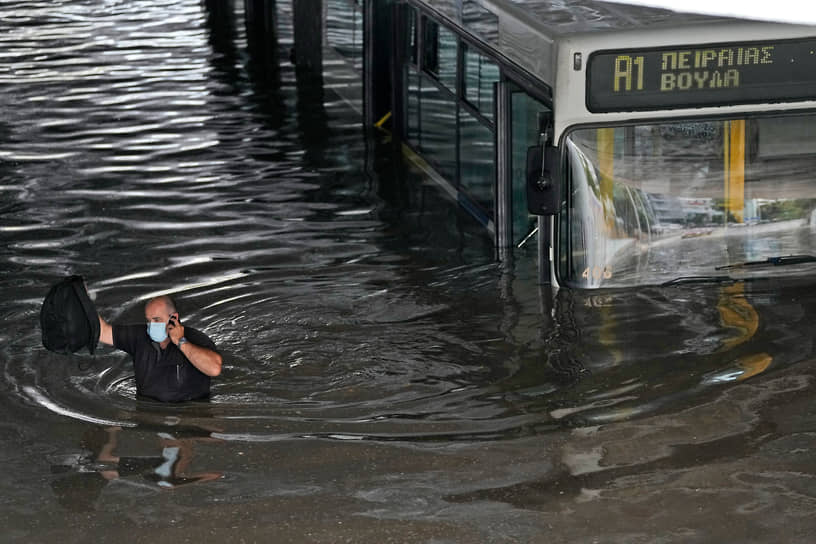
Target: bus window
point(655, 202)
point(480, 75)
point(439, 53)
point(477, 160)
point(477, 154)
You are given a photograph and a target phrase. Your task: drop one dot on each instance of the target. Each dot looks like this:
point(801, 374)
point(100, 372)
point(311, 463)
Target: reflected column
point(261, 19)
point(307, 57)
point(308, 52)
point(221, 24)
point(262, 35)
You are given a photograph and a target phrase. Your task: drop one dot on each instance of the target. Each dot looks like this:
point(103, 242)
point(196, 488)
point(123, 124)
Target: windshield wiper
point(698, 279)
point(771, 261)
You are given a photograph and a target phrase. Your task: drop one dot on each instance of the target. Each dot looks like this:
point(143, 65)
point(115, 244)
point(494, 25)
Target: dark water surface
point(385, 380)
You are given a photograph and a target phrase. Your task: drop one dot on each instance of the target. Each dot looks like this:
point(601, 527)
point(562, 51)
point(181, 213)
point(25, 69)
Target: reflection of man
point(172, 362)
point(177, 455)
point(88, 476)
point(169, 470)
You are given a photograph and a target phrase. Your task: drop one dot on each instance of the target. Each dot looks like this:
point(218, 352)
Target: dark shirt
point(163, 374)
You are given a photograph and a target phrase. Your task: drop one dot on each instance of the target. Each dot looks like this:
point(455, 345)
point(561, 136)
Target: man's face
point(157, 312)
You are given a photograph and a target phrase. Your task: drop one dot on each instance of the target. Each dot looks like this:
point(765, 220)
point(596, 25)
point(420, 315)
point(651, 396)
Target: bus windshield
point(689, 201)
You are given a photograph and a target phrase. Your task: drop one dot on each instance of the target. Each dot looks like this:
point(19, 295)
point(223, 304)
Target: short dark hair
point(168, 300)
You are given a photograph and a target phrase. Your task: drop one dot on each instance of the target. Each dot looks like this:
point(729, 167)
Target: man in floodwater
point(173, 363)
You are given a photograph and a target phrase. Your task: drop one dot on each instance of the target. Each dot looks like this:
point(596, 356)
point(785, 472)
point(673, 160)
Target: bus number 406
point(597, 273)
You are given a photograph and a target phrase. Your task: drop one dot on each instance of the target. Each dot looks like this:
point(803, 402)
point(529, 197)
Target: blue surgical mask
point(157, 331)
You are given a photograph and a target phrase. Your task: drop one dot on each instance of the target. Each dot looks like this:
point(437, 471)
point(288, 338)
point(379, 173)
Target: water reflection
point(160, 458)
point(381, 370)
point(609, 463)
point(621, 355)
point(594, 361)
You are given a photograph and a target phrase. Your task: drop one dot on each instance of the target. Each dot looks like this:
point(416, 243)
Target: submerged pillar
point(307, 54)
point(260, 20)
point(379, 54)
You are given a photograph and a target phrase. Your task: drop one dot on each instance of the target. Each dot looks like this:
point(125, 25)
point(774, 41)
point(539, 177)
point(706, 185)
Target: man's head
point(158, 312)
point(160, 309)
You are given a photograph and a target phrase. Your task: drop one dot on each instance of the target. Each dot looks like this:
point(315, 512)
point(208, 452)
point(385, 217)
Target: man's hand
point(175, 330)
point(204, 359)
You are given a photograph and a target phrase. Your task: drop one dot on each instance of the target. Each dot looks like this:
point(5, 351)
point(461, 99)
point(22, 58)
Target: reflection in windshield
point(652, 203)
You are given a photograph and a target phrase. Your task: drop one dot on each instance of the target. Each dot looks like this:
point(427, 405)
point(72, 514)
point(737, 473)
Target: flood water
point(385, 379)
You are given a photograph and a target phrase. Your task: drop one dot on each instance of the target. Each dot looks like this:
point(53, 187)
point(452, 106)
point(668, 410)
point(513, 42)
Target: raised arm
point(204, 359)
point(105, 332)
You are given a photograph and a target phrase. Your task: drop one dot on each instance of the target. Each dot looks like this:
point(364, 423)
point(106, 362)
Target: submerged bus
point(639, 146)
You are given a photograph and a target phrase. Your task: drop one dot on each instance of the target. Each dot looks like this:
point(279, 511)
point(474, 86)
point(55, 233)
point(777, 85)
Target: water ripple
point(352, 304)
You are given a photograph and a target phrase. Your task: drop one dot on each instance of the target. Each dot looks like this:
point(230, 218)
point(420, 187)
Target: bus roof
point(556, 18)
point(553, 40)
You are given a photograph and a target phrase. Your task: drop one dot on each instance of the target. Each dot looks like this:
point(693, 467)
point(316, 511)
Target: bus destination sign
point(698, 76)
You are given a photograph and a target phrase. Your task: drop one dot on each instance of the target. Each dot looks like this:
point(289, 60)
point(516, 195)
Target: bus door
point(525, 120)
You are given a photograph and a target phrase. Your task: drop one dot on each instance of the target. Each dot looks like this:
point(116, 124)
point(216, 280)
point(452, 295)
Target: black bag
point(68, 318)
